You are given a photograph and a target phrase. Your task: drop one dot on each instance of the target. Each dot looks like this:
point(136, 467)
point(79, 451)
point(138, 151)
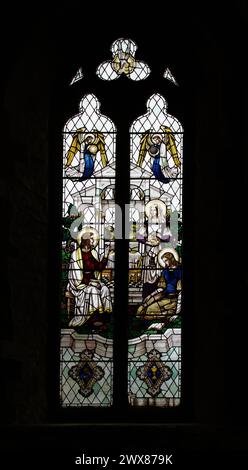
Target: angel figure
point(157, 145)
point(89, 143)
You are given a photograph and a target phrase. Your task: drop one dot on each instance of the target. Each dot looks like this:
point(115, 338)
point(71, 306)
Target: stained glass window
point(87, 285)
point(78, 76)
point(155, 257)
point(168, 75)
point(123, 62)
point(91, 222)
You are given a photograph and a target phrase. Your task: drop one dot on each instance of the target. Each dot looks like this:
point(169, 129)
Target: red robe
point(90, 265)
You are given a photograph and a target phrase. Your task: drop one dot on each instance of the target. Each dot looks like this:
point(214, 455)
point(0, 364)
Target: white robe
point(88, 298)
point(151, 274)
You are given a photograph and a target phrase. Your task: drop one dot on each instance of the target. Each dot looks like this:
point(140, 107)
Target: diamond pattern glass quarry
point(155, 255)
point(88, 256)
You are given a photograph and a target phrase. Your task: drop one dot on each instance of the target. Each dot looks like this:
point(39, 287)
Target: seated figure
point(162, 302)
point(91, 295)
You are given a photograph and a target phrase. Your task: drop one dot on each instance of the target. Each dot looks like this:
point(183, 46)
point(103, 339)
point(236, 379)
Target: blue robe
point(171, 276)
point(88, 165)
point(157, 171)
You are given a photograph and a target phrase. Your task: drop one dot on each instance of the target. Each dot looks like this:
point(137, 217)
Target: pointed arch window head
point(89, 144)
point(123, 63)
point(155, 263)
point(91, 222)
point(88, 264)
point(157, 142)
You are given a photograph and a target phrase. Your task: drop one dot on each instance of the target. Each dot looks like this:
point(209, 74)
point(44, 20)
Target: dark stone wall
point(24, 201)
point(39, 58)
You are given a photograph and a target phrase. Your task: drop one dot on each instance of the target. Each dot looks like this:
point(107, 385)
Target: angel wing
point(101, 148)
point(144, 146)
point(171, 145)
point(74, 147)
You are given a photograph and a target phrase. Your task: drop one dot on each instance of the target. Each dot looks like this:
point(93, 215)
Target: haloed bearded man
point(91, 295)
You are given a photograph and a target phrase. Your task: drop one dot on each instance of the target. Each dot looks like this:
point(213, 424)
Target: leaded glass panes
point(155, 257)
point(78, 76)
point(88, 224)
point(168, 75)
point(123, 62)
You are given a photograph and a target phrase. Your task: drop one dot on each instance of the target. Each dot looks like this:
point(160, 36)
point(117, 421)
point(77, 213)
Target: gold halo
point(84, 230)
point(89, 134)
point(167, 250)
point(156, 135)
point(155, 202)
